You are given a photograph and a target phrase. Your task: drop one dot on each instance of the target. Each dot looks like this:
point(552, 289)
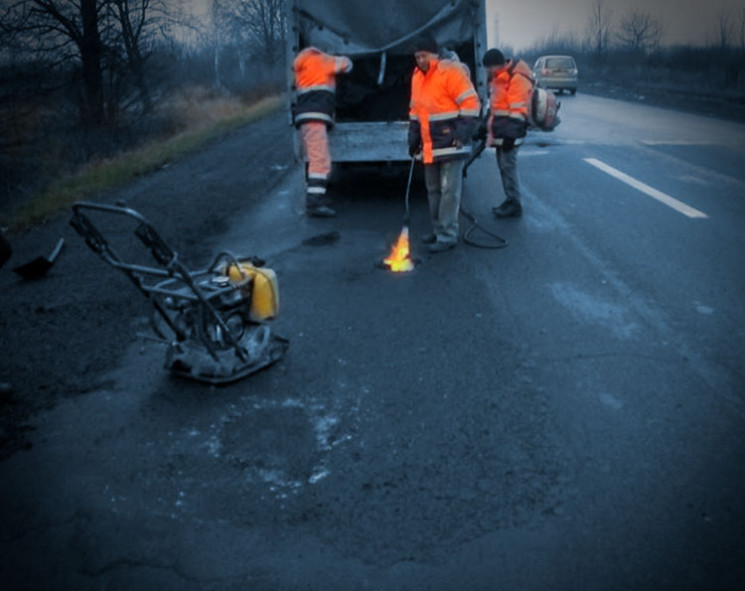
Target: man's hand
point(414, 150)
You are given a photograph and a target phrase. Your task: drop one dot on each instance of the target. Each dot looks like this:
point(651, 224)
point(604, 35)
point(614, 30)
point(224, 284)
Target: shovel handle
point(56, 250)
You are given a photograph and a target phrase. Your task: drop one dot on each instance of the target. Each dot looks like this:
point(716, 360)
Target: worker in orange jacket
point(443, 113)
point(315, 82)
point(511, 86)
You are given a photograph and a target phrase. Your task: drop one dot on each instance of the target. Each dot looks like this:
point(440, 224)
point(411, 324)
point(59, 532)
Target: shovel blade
point(39, 267)
point(35, 269)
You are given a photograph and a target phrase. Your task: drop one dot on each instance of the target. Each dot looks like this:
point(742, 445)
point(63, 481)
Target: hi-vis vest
point(444, 107)
point(511, 91)
point(315, 81)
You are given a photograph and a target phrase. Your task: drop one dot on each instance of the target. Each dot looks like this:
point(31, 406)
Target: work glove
point(414, 150)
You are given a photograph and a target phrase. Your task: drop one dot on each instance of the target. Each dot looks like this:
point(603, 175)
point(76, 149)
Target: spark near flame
point(399, 261)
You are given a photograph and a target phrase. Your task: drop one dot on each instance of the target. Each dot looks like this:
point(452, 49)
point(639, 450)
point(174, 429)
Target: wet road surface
point(565, 413)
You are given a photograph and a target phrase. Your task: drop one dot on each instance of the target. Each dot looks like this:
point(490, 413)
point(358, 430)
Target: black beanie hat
point(425, 42)
point(493, 57)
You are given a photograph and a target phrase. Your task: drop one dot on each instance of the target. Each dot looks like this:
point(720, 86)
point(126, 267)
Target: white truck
point(372, 102)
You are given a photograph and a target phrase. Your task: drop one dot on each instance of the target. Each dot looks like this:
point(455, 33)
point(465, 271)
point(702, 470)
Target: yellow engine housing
point(263, 287)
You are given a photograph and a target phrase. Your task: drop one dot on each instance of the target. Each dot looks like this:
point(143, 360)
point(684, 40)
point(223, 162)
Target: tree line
point(620, 46)
point(113, 56)
point(637, 31)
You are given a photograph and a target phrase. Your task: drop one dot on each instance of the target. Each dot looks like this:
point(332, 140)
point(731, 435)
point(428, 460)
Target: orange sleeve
point(334, 65)
point(463, 93)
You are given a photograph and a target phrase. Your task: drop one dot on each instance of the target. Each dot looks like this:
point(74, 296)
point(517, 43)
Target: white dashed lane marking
point(678, 206)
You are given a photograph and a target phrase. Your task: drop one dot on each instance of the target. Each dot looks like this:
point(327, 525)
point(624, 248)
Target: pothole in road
point(282, 445)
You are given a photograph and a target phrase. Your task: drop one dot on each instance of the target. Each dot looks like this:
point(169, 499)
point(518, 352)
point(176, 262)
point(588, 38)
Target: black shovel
point(37, 268)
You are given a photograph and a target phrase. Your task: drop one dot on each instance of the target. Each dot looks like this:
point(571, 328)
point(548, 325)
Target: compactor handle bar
point(162, 253)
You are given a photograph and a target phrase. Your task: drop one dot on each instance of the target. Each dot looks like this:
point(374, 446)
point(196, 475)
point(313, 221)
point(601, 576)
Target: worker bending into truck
point(510, 86)
point(443, 115)
point(315, 82)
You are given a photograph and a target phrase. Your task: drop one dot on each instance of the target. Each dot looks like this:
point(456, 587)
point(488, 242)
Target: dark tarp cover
point(373, 26)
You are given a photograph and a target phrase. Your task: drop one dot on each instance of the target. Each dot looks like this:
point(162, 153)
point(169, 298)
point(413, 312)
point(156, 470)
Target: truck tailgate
point(369, 141)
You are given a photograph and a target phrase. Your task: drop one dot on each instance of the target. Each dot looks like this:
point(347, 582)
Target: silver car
point(557, 72)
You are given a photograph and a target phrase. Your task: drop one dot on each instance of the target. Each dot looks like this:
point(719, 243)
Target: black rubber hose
point(495, 241)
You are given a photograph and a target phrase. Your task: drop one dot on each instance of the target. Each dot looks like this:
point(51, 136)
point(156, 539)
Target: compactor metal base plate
point(190, 360)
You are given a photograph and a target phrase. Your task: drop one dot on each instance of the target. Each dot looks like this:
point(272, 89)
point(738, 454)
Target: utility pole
point(493, 37)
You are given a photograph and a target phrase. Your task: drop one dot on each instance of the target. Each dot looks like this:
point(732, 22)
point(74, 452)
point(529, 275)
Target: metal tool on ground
point(40, 266)
point(493, 240)
point(400, 261)
point(213, 321)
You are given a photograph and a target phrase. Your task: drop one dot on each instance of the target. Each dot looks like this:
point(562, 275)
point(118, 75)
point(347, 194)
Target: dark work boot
point(316, 208)
point(442, 246)
point(511, 208)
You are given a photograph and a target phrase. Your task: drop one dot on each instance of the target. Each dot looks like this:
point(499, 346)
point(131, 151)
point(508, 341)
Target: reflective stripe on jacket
point(315, 83)
point(444, 108)
point(511, 90)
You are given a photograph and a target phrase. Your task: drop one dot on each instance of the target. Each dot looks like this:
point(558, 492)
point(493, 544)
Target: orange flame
point(399, 261)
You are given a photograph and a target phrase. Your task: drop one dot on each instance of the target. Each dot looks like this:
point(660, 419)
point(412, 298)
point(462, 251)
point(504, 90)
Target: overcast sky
point(523, 22)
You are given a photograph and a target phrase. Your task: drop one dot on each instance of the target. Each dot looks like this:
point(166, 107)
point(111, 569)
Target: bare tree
point(639, 31)
point(261, 24)
point(219, 21)
point(558, 42)
point(727, 45)
point(138, 22)
point(725, 29)
point(61, 31)
point(598, 27)
point(105, 37)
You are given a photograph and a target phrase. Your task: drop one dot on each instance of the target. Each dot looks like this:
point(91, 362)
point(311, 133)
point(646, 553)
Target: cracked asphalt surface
point(561, 414)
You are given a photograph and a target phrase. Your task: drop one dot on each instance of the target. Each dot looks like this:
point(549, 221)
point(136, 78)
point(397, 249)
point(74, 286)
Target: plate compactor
point(213, 321)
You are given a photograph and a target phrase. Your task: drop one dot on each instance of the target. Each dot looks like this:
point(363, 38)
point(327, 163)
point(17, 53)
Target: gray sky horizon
point(685, 22)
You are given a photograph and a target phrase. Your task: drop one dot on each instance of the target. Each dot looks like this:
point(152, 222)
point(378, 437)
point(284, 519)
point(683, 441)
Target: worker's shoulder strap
point(513, 73)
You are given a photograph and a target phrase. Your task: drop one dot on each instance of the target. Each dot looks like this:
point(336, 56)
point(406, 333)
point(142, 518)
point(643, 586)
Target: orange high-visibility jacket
point(315, 82)
point(444, 109)
point(511, 91)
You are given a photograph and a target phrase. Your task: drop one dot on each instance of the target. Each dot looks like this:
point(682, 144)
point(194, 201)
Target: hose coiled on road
point(498, 241)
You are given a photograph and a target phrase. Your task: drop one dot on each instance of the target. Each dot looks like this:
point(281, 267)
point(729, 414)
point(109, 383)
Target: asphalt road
point(564, 413)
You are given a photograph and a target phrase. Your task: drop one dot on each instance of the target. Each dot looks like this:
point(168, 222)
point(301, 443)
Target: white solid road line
point(678, 206)
point(677, 143)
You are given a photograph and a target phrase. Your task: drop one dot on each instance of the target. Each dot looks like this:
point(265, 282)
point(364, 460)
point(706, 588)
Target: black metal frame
point(174, 279)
